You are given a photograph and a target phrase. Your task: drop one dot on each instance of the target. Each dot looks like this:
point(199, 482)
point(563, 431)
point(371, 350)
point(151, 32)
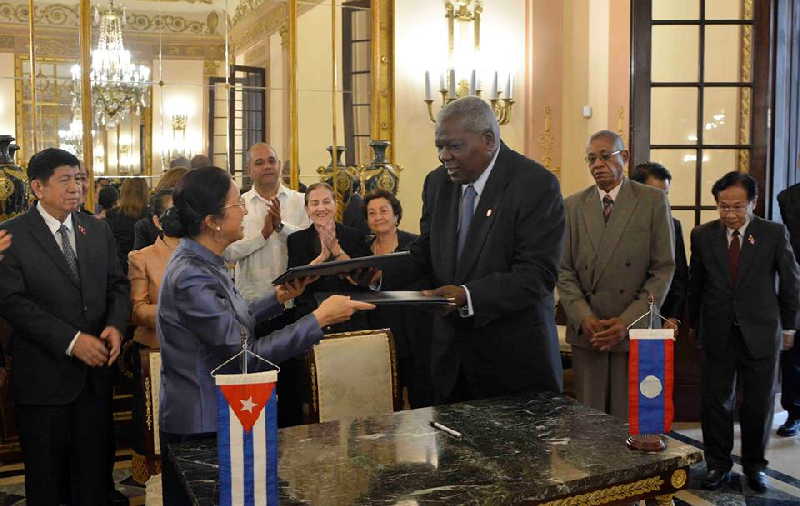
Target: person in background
point(789, 202)
point(353, 215)
point(122, 218)
point(106, 200)
point(286, 176)
point(181, 161)
point(618, 252)
point(144, 232)
point(63, 292)
point(83, 180)
point(324, 240)
point(199, 161)
point(410, 327)
point(145, 270)
point(99, 184)
point(202, 317)
point(656, 175)
point(743, 302)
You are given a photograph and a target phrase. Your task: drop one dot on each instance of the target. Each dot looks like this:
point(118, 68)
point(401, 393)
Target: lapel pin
point(82, 229)
point(751, 240)
point(488, 213)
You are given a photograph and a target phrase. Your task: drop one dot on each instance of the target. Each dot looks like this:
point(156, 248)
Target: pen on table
point(446, 429)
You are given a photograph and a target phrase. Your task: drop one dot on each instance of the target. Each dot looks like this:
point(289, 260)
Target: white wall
point(7, 97)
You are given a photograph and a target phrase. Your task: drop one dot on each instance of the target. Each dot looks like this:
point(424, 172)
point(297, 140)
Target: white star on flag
point(248, 404)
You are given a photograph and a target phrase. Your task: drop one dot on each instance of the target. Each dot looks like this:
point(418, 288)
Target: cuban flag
point(247, 438)
point(651, 379)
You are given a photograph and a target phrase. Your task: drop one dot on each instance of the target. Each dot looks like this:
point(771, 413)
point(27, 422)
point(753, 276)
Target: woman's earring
point(219, 229)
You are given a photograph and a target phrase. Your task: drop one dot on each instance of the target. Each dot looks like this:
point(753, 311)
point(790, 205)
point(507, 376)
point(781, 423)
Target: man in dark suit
point(789, 202)
point(63, 292)
point(740, 314)
point(656, 175)
point(491, 231)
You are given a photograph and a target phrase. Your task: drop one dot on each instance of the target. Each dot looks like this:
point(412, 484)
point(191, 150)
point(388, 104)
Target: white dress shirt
point(467, 310)
point(53, 225)
point(258, 260)
point(729, 232)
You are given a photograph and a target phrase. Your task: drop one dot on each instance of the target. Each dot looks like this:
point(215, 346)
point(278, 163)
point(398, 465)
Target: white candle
point(509, 86)
point(452, 83)
point(441, 82)
point(472, 83)
point(493, 94)
point(428, 85)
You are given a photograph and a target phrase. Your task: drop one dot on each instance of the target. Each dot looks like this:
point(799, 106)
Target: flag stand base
point(647, 442)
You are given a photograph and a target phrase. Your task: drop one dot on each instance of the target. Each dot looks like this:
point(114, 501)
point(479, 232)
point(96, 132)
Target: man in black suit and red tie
point(64, 293)
point(492, 228)
point(743, 298)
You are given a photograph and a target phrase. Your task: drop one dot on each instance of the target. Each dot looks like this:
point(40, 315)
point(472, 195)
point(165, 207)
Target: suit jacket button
point(627, 264)
point(622, 291)
point(592, 292)
point(85, 309)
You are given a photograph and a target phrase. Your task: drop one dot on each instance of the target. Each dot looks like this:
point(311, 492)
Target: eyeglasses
point(738, 208)
point(241, 204)
point(590, 159)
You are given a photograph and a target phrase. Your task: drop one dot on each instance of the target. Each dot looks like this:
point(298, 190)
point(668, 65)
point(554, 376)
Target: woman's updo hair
point(201, 192)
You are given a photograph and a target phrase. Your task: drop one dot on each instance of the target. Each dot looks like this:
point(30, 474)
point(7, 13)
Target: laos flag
point(247, 438)
point(651, 370)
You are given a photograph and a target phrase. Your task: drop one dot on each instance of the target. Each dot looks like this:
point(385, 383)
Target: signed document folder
point(343, 266)
point(391, 298)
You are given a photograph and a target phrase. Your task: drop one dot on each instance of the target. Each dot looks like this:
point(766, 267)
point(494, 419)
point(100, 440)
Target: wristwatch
point(279, 227)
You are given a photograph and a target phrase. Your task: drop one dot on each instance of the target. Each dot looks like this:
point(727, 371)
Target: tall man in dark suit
point(789, 202)
point(491, 230)
point(740, 316)
point(656, 175)
point(64, 293)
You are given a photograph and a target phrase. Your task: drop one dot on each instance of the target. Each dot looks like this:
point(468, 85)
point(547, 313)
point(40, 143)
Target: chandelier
point(119, 87)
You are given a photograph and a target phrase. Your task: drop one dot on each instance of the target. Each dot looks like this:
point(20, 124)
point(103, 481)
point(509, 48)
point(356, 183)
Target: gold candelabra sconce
point(179, 122)
point(454, 84)
point(500, 101)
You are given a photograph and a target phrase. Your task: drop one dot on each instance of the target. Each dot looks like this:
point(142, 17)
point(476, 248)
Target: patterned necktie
point(467, 211)
point(733, 256)
point(608, 205)
point(69, 253)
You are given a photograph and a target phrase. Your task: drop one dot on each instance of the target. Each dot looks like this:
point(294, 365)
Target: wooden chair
point(353, 374)
point(151, 385)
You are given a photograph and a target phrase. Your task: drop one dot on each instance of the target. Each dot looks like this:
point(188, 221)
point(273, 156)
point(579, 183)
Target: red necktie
point(733, 256)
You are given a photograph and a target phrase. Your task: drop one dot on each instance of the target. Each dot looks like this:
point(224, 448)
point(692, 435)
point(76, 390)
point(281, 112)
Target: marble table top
point(513, 449)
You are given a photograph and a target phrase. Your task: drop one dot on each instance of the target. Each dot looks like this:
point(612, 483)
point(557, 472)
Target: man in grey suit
point(743, 296)
point(617, 253)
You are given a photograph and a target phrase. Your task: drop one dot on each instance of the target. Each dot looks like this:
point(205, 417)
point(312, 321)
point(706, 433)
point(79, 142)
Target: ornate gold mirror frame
point(382, 93)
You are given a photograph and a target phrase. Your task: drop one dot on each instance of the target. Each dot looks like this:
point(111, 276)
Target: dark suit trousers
point(790, 380)
point(757, 379)
point(66, 448)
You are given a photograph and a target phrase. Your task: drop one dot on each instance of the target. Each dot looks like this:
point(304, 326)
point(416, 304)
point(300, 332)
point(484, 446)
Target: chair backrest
point(353, 374)
point(150, 361)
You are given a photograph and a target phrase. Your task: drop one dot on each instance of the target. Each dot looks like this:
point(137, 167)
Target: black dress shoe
point(790, 428)
point(715, 478)
point(757, 481)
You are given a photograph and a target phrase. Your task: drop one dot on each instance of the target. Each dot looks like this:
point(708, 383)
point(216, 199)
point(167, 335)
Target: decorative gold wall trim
point(612, 494)
point(294, 136)
point(745, 96)
point(383, 100)
point(546, 140)
point(87, 120)
point(62, 15)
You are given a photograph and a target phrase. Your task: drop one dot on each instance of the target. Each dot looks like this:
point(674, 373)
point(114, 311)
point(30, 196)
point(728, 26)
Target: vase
point(13, 182)
point(380, 174)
